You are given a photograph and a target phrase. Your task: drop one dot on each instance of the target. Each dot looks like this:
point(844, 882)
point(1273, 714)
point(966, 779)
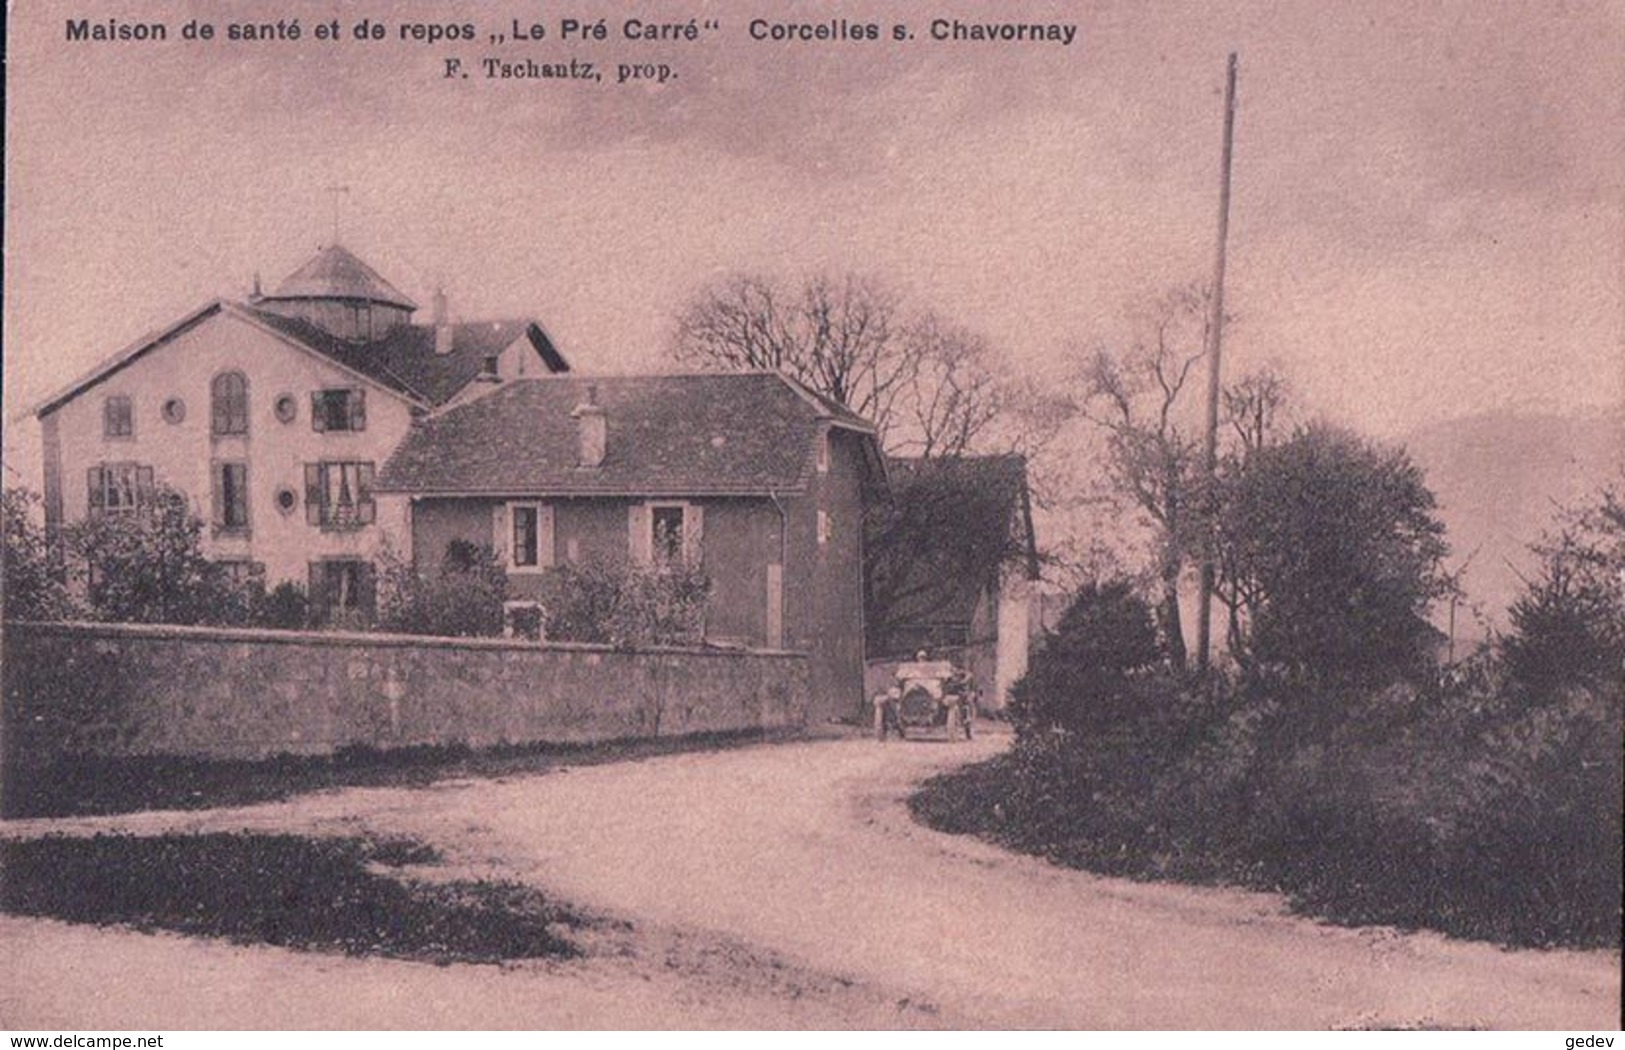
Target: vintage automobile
point(927, 694)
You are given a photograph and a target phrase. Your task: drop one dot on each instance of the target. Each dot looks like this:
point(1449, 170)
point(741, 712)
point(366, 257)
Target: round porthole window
point(174, 410)
point(286, 408)
point(286, 500)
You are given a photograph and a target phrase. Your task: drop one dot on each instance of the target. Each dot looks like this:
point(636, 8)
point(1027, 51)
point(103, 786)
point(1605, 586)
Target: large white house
point(274, 414)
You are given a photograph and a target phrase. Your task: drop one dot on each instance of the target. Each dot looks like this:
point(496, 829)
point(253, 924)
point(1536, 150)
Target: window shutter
point(317, 591)
point(640, 528)
point(366, 509)
point(694, 533)
point(241, 495)
point(499, 534)
point(217, 474)
point(97, 499)
point(358, 409)
point(318, 418)
point(313, 494)
point(367, 583)
point(544, 536)
point(775, 606)
point(144, 485)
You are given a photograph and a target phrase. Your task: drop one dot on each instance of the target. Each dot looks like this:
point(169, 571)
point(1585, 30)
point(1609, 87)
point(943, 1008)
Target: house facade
point(751, 477)
point(273, 416)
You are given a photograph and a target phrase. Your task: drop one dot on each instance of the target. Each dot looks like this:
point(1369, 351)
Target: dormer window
point(338, 409)
point(229, 397)
point(118, 418)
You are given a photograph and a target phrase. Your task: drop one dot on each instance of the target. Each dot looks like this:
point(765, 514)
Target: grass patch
point(92, 786)
point(317, 894)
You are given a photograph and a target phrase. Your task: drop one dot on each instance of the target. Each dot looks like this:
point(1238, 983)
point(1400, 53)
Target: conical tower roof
point(335, 273)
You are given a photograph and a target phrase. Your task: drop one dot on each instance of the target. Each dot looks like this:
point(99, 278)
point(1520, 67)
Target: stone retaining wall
point(126, 691)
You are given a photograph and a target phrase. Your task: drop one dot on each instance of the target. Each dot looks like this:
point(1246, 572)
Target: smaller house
point(757, 479)
point(951, 569)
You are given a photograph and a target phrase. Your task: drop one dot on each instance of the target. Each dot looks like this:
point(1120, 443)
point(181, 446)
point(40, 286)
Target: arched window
point(230, 397)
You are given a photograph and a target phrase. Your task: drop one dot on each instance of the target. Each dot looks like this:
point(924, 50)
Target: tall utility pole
point(1215, 329)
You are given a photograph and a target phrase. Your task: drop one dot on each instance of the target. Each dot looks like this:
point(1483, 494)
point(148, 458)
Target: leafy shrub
point(1466, 806)
point(1331, 552)
point(1485, 802)
point(528, 621)
point(1568, 628)
point(35, 577)
point(283, 607)
point(584, 601)
point(617, 603)
point(1080, 680)
point(148, 566)
point(463, 599)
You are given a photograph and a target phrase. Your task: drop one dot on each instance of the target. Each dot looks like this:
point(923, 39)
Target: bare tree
point(929, 386)
point(1253, 406)
point(1133, 397)
point(952, 401)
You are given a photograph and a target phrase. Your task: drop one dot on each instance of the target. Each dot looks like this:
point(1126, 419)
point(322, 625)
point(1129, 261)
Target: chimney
point(593, 424)
point(256, 295)
point(442, 326)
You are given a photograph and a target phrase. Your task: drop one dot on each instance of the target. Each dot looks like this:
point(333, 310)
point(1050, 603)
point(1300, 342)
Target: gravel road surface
point(786, 887)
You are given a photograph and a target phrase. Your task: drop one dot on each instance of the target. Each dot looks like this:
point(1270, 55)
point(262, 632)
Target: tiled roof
point(336, 274)
point(833, 408)
point(676, 435)
point(405, 360)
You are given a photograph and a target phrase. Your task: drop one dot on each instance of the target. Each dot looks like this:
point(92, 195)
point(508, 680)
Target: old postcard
point(735, 515)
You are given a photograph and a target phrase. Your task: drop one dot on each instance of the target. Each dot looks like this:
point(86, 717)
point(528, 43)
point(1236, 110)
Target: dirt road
point(786, 886)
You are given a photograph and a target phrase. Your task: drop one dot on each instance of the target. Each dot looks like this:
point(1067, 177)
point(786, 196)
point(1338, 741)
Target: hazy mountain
point(1499, 478)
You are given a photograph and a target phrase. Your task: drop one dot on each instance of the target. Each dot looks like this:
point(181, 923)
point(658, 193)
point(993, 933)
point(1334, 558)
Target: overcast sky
point(1427, 218)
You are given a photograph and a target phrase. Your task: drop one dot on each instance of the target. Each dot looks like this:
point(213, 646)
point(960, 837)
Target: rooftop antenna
point(1215, 328)
point(335, 191)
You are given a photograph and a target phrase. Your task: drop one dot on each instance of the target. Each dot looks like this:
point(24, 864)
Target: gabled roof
point(745, 433)
point(153, 340)
point(403, 362)
point(335, 273)
point(405, 359)
point(126, 356)
point(836, 412)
